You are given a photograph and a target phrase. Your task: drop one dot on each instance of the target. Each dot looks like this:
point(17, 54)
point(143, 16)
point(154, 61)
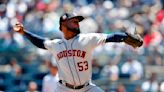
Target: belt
point(72, 86)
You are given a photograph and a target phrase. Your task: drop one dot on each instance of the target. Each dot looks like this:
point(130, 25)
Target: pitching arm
point(36, 40)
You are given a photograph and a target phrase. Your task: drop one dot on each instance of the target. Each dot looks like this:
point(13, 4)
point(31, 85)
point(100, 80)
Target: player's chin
point(75, 29)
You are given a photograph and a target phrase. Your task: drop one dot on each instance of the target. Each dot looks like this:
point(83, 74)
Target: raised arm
point(116, 37)
point(36, 40)
point(131, 39)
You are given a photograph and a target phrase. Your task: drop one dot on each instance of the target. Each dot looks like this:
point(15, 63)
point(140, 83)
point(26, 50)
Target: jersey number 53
point(82, 66)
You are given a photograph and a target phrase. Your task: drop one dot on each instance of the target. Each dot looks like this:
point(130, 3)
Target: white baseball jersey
point(74, 56)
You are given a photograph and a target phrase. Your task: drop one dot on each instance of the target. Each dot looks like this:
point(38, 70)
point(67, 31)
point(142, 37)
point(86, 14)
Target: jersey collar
point(71, 38)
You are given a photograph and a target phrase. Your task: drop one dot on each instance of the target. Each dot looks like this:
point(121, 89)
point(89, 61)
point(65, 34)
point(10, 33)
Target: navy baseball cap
point(68, 16)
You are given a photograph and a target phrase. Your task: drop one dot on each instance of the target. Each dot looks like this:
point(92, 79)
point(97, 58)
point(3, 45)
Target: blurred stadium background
point(117, 67)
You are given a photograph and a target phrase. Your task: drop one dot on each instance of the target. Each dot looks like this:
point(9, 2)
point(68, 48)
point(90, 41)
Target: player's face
point(66, 31)
point(63, 27)
point(74, 23)
point(70, 25)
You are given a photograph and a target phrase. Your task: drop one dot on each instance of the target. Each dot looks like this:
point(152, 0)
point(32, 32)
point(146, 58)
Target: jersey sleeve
point(97, 38)
point(48, 44)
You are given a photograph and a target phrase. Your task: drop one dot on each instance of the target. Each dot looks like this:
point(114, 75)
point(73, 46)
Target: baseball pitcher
point(73, 52)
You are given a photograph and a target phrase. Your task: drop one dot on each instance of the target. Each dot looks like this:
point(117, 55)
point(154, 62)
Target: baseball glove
point(134, 40)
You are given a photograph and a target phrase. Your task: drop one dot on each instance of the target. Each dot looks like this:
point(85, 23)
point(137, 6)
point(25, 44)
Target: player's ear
point(60, 26)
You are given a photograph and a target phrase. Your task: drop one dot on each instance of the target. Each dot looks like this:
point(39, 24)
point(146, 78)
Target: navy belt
point(72, 86)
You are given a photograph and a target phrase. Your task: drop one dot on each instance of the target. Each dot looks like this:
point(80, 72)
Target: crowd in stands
point(117, 67)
